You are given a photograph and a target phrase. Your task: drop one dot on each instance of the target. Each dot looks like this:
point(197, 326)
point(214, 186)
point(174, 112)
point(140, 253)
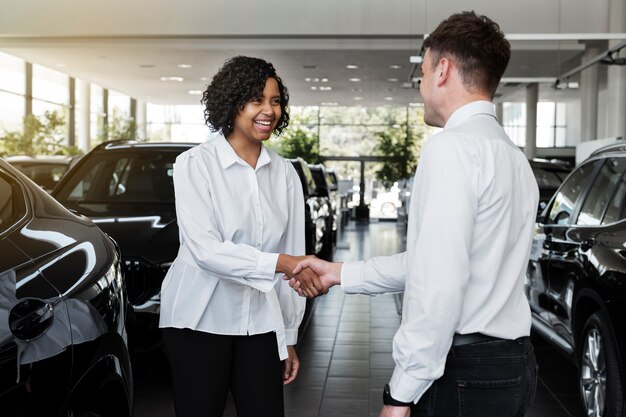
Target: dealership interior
point(121, 78)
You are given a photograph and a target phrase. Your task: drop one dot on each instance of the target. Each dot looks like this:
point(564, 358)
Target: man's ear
point(443, 71)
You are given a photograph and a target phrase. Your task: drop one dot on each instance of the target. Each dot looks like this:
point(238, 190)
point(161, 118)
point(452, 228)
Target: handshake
point(309, 276)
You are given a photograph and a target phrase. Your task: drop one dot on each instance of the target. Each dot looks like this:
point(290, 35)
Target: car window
point(134, 177)
point(565, 199)
point(12, 204)
point(615, 209)
point(547, 179)
point(601, 191)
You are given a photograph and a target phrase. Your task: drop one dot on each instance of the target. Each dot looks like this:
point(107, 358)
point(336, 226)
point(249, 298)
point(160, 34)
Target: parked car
point(317, 213)
point(63, 308)
point(576, 277)
point(46, 171)
point(127, 189)
point(549, 174)
point(326, 188)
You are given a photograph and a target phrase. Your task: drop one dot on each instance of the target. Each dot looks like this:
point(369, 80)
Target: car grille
point(143, 279)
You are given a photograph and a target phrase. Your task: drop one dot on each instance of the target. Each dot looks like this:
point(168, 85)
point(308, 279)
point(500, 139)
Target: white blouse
point(234, 221)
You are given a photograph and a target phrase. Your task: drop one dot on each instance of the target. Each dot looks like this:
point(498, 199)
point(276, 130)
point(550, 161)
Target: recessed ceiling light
point(395, 66)
point(204, 79)
point(389, 98)
point(356, 90)
point(325, 88)
point(184, 66)
point(312, 80)
point(195, 92)
point(314, 87)
point(358, 98)
point(351, 66)
point(177, 79)
point(355, 80)
point(392, 80)
point(324, 80)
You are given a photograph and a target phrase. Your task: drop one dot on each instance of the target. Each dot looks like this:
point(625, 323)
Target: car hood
point(141, 230)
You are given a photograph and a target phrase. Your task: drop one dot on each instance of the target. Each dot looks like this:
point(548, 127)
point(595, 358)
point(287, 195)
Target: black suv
point(326, 187)
point(576, 277)
point(317, 214)
point(63, 307)
point(127, 189)
point(549, 175)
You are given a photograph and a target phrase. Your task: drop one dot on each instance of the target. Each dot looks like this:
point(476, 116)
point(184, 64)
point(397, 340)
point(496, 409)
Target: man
point(462, 347)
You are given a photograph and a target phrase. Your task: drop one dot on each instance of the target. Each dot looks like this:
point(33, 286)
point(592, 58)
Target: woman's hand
point(291, 365)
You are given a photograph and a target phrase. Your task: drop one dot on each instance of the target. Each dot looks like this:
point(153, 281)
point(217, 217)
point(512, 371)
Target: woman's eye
point(276, 102)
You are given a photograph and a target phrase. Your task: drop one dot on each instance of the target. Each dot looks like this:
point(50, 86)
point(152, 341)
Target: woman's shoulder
point(202, 150)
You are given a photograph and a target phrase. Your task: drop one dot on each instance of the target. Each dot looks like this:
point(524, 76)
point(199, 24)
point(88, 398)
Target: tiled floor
point(346, 352)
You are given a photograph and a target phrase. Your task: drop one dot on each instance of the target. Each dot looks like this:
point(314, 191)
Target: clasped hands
point(310, 276)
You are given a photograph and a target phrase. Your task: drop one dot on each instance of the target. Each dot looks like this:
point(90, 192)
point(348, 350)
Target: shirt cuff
point(405, 388)
point(266, 265)
point(291, 336)
point(352, 277)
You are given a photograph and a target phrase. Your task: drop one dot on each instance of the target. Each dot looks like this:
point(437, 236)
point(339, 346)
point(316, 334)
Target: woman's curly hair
point(238, 81)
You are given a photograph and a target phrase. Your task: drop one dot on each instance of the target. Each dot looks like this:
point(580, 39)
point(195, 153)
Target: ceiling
point(313, 65)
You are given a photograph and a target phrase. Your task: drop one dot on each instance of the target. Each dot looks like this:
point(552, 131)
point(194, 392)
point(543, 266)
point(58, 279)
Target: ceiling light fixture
point(351, 66)
point(358, 98)
point(389, 98)
point(177, 79)
point(392, 80)
point(355, 80)
point(312, 80)
point(325, 88)
point(184, 66)
point(395, 66)
point(195, 92)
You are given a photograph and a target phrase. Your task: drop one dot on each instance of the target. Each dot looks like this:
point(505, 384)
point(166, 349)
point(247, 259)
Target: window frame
point(16, 185)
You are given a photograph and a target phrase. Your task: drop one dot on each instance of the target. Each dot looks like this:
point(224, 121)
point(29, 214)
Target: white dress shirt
point(234, 221)
point(473, 206)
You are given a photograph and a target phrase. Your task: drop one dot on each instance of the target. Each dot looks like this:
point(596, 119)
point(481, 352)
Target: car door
point(33, 375)
point(550, 244)
point(571, 253)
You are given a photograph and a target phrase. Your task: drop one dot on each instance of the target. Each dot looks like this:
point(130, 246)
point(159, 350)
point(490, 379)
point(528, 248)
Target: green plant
point(120, 127)
point(399, 147)
point(298, 142)
point(41, 135)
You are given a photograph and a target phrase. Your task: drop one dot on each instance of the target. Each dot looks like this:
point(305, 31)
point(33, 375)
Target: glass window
point(565, 199)
point(11, 111)
point(615, 208)
point(12, 74)
point(135, 177)
point(50, 85)
point(601, 191)
point(12, 205)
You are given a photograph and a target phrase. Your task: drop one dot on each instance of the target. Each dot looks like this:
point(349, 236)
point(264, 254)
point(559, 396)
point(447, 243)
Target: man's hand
point(391, 411)
point(291, 365)
point(329, 274)
point(311, 284)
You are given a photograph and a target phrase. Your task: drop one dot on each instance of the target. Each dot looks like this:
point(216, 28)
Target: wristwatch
point(389, 400)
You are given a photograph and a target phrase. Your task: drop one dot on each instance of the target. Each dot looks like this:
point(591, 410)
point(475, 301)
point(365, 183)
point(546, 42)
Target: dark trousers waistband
point(466, 339)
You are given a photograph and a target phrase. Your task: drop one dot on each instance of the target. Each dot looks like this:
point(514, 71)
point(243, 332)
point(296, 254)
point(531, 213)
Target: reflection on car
point(63, 309)
point(549, 175)
point(46, 171)
point(127, 189)
point(576, 277)
point(326, 189)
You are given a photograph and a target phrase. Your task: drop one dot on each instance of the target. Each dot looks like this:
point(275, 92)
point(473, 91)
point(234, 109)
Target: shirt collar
point(228, 156)
point(468, 110)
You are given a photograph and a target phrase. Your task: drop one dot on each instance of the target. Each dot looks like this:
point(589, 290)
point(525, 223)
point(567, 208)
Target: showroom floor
point(346, 352)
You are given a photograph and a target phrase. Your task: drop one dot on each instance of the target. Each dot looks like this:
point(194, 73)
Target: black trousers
point(206, 366)
point(486, 379)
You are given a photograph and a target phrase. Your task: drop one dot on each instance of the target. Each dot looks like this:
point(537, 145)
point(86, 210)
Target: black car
point(46, 170)
point(127, 189)
point(317, 214)
point(63, 308)
point(326, 187)
point(549, 175)
point(576, 277)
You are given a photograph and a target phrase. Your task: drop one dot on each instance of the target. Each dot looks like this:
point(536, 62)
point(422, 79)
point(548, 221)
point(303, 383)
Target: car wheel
point(598, 369)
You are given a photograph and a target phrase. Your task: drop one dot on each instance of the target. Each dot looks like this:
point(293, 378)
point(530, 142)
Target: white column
point(500, 112)
point(141, 111)
point(589, 97)
point(83, 114)
point(616, 75)
point(532, 97)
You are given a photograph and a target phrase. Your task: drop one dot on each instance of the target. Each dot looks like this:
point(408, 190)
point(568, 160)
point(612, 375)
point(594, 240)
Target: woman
point(228, 320)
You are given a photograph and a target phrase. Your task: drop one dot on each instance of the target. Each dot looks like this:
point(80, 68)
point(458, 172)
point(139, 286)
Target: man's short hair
point(477, 45)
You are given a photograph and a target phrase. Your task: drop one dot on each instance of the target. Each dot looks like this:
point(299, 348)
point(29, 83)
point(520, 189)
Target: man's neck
point(460, 101)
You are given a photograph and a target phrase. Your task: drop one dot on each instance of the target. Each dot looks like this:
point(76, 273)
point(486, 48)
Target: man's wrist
point(389, 400)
